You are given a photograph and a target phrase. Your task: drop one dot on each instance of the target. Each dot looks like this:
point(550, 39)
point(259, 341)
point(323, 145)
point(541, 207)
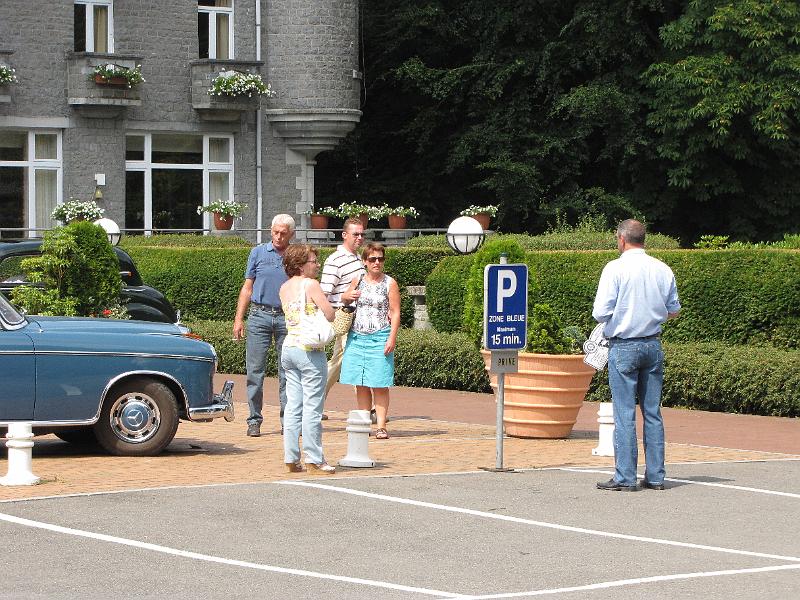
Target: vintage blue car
point(122, 384)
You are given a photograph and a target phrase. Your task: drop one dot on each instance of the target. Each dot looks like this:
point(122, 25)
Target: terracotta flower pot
point(542, 400)
point(222, 222)
point(483, 219)
point(397, 222)
point(319, 222)
point(364, 218)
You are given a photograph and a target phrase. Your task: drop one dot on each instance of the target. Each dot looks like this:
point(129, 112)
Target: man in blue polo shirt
point(265, 323)
point(636, 295)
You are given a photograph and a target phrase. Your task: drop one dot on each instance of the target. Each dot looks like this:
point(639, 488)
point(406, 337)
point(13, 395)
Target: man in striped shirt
point(338, 272)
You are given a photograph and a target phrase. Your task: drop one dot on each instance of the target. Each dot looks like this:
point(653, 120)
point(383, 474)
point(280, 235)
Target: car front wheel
point(138, 418)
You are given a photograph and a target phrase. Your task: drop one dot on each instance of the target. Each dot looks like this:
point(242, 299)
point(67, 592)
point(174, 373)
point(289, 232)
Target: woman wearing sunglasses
point(368, 361)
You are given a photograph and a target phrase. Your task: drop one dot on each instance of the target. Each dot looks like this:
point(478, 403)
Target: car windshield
point(8, 314)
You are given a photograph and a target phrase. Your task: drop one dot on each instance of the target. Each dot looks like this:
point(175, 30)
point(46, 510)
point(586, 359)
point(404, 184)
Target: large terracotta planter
point(483, 219)
point(397, 222)
point(364, 218)
point(222, 222)
point(542, 400)
point(319, 222)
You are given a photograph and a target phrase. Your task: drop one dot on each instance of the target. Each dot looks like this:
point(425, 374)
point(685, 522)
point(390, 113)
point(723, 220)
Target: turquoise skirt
point(364, 362)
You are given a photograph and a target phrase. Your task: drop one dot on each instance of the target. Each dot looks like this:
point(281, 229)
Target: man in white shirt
point(636, 295)
point(338, 272)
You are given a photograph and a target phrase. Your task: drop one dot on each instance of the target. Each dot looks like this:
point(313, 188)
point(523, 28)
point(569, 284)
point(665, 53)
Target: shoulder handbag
point(314, 329)
point(343, 320)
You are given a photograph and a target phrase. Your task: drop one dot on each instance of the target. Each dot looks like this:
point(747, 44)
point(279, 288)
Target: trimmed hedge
point(203, 279)
point(182, 240)
point(733, 379)
point(422, 358)
point(706, 376)
point(571, 239)
point(732, 296)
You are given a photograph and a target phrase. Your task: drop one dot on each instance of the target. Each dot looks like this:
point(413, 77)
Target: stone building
point(153, 152)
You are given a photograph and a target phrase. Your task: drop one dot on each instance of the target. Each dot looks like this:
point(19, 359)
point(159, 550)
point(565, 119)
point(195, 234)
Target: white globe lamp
point(465, 235)
point(111, 229)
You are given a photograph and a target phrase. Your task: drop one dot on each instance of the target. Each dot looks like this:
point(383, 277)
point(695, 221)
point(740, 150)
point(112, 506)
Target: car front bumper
point(222, 406)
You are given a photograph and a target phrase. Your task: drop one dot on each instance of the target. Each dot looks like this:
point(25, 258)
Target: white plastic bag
point(596, 349)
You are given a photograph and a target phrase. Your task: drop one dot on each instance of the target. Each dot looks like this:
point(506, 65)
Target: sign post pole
point(505, 314)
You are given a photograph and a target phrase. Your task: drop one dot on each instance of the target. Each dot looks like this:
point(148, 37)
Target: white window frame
point(213, 11)
point(148, 166)
point(32, 164)
point(90, 4)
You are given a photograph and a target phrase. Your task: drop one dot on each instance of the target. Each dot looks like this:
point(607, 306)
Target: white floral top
point(372, 307)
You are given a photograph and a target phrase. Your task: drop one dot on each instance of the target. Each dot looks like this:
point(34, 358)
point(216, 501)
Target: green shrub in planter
point(445, 289)
point(473, 302)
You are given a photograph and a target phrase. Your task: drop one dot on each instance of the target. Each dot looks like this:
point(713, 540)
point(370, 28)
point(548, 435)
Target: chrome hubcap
point(135, 418)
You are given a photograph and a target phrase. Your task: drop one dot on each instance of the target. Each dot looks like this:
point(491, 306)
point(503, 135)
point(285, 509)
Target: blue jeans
point(636, 370)
point(263, 328)
point(306, 372)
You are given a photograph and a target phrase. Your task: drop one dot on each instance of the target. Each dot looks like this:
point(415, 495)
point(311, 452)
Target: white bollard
point(605, 418)
point(20, 455)
point(358, 428)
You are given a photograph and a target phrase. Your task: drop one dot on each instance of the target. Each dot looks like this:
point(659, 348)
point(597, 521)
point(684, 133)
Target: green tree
point(536, 106)
point(725, 103)
point(77, 273)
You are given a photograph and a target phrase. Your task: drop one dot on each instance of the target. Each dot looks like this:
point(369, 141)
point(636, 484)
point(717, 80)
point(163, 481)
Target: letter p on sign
point(506, 286)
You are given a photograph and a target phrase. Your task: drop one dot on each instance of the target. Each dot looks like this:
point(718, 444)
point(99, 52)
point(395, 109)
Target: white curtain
point(222, 36)
point(218, 150)
point(46, 196)
point(218, 186)
point(46, 146)
point(101, 29)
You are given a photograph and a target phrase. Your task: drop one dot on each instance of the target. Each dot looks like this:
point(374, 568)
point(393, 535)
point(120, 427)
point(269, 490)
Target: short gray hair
point(633, 231)
point(283, 219)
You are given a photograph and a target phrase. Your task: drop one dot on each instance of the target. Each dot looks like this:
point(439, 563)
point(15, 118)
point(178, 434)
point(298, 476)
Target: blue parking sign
point(505, 307)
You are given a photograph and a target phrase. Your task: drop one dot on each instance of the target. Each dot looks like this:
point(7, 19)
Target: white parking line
point(693, 482)
point(545, 524)
point(637, 581)
point(217, 559)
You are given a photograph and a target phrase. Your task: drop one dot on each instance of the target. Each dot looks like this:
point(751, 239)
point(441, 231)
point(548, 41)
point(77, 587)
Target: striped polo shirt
point(339, 270)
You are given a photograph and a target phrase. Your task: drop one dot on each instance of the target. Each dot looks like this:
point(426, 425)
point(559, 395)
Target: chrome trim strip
point(125, 354)
point(129, 373)
point(17, 352)
point(51, 423)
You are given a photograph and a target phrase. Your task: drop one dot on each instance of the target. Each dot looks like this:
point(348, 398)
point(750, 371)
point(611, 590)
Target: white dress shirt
point(635, 295)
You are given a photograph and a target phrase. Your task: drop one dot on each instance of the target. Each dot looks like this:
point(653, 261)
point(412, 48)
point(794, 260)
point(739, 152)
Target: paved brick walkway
point(431, 431)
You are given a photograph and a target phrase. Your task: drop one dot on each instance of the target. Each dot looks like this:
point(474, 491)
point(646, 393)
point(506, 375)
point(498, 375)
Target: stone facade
point(308, 53)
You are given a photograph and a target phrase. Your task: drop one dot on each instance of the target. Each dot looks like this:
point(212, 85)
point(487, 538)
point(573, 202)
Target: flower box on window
point(232, 94)
point(103, 85)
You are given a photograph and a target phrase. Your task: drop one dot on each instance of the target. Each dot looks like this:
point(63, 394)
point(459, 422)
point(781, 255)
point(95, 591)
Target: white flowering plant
point(74, 209)
point(228, 208)
point(353, 209)
point(401, 211)
point(325, 211)
point(133, 75)
point(473, 210)
point(236, 83)
point(7, 74)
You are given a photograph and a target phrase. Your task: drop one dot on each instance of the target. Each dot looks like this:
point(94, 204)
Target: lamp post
point(112, 230)
point(465, 235)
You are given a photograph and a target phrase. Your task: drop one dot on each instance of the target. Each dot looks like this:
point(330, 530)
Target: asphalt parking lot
point(720, 530)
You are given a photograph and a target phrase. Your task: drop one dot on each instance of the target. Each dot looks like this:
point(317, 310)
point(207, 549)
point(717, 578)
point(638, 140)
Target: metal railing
point(318, 237)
